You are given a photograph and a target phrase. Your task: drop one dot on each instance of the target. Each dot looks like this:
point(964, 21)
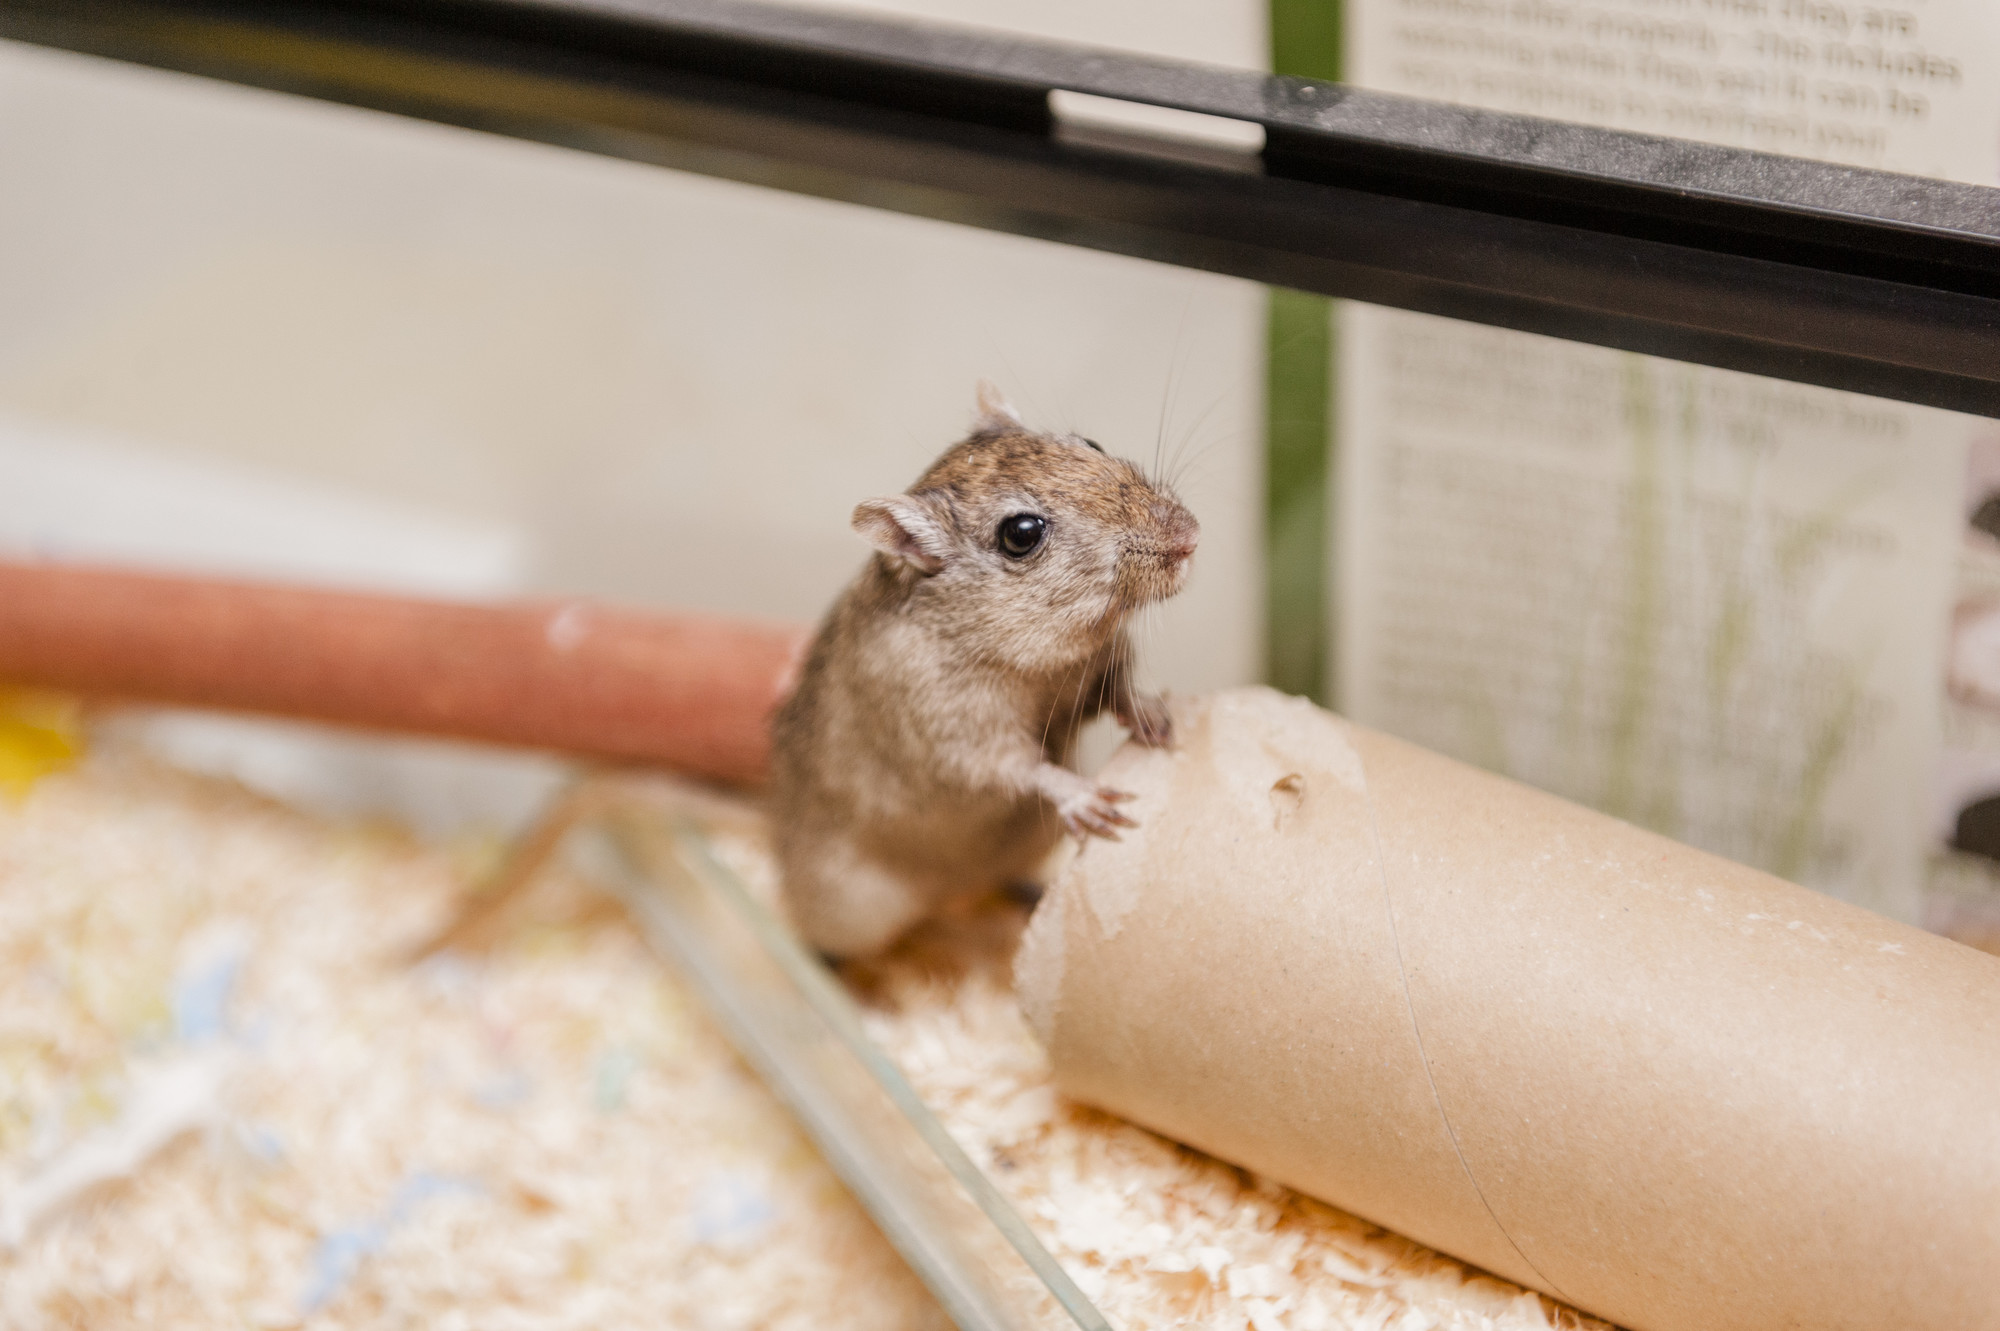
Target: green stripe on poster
point(1298, 403)
point(1298, 370)
point(1306, 38)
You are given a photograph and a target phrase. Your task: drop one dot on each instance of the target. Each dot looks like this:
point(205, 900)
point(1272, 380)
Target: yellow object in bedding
point(40, 733)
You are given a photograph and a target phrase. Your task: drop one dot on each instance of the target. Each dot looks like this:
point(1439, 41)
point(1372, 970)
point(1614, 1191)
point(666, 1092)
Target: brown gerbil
point(925, 752)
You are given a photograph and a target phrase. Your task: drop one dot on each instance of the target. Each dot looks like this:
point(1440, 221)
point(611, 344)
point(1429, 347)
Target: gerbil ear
point(996, 413)
point(904, 528)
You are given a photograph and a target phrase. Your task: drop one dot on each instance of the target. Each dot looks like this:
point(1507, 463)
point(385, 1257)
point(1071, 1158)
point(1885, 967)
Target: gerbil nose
point(1178, 528)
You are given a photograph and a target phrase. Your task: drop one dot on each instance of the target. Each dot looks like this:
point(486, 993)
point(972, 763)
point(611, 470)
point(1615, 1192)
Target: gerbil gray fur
point(925, 751)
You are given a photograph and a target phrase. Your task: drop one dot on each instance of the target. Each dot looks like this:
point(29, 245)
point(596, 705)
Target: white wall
point(556, 371)
point(673, 387)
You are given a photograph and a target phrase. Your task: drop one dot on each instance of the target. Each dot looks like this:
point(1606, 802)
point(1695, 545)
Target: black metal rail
point(1855, 279)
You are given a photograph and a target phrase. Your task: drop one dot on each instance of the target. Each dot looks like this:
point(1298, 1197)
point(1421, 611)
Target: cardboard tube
point(1670, 1090)
point(691, 692)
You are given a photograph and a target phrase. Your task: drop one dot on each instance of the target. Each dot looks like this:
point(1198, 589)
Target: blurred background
point(248, 333)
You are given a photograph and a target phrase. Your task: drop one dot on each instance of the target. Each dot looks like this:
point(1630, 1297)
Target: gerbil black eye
point(1093, 443)
point(1021, 534)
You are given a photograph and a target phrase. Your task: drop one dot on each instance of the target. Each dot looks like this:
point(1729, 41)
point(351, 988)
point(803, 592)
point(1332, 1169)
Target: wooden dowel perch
point(691, 692)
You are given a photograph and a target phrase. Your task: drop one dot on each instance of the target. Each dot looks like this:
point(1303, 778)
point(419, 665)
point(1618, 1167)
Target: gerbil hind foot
point(846, 904)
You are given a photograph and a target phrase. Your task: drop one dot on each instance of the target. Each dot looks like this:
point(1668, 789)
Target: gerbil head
point(1042, 543)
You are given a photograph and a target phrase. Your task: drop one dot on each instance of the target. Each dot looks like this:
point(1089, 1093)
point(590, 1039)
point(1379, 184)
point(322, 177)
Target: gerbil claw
point(1149, 721)
point(1103, 828)
point(1095, 812)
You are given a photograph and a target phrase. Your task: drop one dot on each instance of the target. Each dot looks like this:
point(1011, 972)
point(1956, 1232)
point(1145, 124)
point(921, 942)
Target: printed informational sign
point(1912, 87)
point(1714, 604)
point(1709, 603)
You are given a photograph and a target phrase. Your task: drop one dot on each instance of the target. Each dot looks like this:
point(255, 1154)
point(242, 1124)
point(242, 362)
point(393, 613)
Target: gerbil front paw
point(1094, 811)
point(1146, 716)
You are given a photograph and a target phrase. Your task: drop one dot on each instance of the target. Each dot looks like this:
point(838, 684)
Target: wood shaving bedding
point(547, 1136)
point(204, 999)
